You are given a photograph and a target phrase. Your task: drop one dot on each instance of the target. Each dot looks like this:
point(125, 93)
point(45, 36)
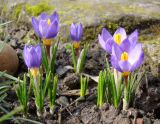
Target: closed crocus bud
point(33, 57)
point(106, 40)
point(127, 58)
point(46, 27)
point(76, 32)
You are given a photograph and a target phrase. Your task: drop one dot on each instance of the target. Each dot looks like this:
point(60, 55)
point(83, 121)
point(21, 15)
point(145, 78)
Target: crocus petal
point(125, 66)
point(35, 24)
point(106, 35)
point(43, 16)
point(53, 30)
point(101, 42)
point(108, 45)
point(39, 53)
point(73, 32)
point(125, 45)
point(33, 58)
point(135, 53)
point(43, 28)
point(138, 63)
point(54, 17)
point(79, 32)
point(115, 64)
point(133, 37)
point(122, 32)
point(25, 55)
point(116, 51)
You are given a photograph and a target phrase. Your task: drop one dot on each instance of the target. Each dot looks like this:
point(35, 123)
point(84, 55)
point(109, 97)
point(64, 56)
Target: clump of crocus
point(33, 57)
point(22, 94)
point(126, 56)
point(126, 59)
point(46, 27)
point(83, 86)
point(76, 32)
point(78, 58)
point(106, 40)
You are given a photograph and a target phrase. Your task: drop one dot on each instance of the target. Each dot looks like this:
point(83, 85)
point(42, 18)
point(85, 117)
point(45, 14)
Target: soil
point(145, 108)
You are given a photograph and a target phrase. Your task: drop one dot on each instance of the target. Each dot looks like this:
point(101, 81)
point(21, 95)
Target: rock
point(8, 59)
point(139, 121)
point(157, 121)
point(63, 101)
point(147, 120)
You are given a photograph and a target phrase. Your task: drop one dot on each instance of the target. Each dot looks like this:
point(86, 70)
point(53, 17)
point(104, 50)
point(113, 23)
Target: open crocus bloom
point(76, 32)
point(46, 27)
point(106, 40)
point(127, 60)
point(32, 57)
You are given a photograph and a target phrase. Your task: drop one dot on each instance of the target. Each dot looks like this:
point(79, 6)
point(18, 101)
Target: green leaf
point(44, 58)
point(3, 24)
point(74, 58)
point(81, 59)
point(10, 114)
point(53, 59)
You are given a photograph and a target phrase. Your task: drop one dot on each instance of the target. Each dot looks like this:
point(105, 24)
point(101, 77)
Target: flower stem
point(48, 50)
point(77, 53)
point(125, 99)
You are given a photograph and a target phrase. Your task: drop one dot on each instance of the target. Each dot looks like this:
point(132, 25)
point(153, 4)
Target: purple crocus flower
point(46, 27)
point(106, 40)
point(33, 57)
point(127, 58)
point(76, 32)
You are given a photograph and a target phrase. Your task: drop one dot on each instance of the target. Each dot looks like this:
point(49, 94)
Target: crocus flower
point(127, 58)
point(76, 32)
point(46, 27)
point(106, 40)
point(32, 57)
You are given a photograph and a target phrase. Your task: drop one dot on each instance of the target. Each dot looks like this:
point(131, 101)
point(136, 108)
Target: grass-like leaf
point(83, 85)
point(53, 58)
point(82, 59)
point(44, 58)
point(52, 93)
point(22, 94)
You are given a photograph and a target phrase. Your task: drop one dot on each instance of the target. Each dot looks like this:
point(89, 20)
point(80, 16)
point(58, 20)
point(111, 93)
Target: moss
point(32, 10)
point(68, 22)
point(35, 10)
point(17, 10)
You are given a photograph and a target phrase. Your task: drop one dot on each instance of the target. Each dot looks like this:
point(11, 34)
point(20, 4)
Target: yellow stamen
point(49, 21)
point(117, 39)
point(76, 45)
point(124, 56)
point(47, 42)
point(34, 71)
point(125, 74)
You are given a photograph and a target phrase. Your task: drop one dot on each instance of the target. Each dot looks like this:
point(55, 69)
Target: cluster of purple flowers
point(126, 52)
point(47, 27)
